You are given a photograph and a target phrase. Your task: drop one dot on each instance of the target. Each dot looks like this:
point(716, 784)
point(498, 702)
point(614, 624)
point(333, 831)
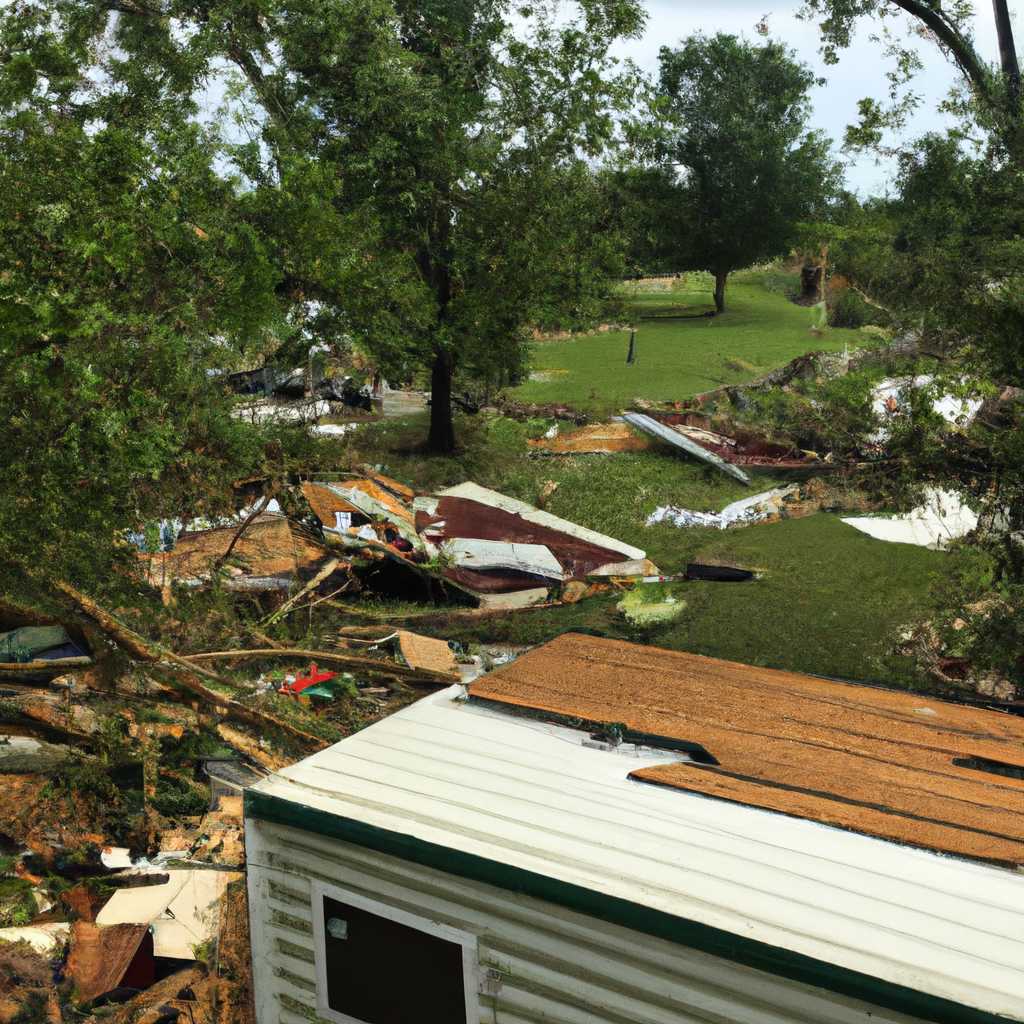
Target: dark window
point(382, 972)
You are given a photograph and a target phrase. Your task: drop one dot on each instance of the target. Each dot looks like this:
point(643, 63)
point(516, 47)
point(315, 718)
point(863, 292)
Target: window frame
point(468, 941)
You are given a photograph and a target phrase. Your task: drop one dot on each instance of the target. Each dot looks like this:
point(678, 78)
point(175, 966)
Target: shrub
point(846, 308)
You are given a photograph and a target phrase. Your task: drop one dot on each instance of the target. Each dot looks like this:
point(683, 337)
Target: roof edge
point(738, 949)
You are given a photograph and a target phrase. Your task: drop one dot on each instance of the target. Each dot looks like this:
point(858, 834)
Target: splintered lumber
point(182, 673)
point(371, 666)
point(661, 430)
point(315, 582)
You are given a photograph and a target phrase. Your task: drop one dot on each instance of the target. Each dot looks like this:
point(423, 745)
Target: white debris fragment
point(941, 518)
point(757, 507)
point(890, 399)
point(333, 429)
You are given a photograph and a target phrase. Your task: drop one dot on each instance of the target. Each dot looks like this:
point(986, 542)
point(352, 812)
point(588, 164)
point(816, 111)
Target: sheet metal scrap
point(665, 433)
point(765, 507)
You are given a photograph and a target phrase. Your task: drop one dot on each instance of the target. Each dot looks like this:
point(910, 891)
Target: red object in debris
point(314, 675)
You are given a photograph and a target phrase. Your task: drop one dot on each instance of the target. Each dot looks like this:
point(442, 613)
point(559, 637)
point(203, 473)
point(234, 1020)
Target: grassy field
point(831, 600)
point(676, 358)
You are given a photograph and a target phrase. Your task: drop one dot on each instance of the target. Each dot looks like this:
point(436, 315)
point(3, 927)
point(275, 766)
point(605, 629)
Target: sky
point(860, 73)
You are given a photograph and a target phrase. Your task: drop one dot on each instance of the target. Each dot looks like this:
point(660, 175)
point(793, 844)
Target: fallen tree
point(179, 672)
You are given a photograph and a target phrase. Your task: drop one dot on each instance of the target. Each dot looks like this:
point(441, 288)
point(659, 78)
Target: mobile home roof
point(524, 804)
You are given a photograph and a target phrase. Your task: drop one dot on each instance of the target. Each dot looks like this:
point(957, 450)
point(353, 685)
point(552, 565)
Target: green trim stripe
point(749, 952)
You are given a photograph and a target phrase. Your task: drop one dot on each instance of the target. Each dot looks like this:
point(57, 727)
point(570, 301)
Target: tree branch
point(963, 52)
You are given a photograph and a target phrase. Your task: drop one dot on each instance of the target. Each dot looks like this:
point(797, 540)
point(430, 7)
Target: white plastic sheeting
point(942, 518)
point(754, 509)
point(889, 400)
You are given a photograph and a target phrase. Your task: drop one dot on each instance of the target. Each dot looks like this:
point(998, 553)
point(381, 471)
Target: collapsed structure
point(501, 552)
point(604, 832)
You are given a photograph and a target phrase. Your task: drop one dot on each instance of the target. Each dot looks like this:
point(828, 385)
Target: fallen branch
point(183, 674)
point(260, 508)
point(311, 585)
point(371, 666)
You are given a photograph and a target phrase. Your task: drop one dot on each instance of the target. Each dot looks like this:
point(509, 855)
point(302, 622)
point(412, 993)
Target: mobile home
point(600, 833)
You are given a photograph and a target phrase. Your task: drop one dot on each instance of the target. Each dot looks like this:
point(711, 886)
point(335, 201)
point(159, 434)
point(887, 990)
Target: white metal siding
point(530, 796)
point(555, 965)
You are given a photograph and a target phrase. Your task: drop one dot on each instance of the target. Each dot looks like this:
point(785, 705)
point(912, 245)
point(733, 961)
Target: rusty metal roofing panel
point(890, 764)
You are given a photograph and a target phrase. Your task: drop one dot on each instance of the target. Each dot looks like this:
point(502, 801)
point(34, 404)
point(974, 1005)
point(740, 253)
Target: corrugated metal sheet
point(539, 963)
point(531, 796)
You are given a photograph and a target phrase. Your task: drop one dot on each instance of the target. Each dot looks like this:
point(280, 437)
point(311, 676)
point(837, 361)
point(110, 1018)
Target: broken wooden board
point(673, 437)
point(594, 439)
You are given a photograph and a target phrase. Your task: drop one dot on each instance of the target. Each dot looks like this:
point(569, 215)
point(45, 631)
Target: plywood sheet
point(875, 761)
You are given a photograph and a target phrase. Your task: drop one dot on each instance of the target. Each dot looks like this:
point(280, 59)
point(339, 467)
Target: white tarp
point(941, 518)
point(766, 505)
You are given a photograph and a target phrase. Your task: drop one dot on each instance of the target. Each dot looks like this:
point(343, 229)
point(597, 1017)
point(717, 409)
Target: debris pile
point(770, 506)
point(500, 552)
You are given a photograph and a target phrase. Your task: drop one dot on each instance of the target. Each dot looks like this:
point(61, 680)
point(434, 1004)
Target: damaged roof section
point(893, 765)
point(501, 551)
point(270, 554)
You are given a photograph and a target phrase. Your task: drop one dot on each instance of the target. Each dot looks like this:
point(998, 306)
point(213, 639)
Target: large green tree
point(732, 116)
point(406, 161)
point(945, 254)
point(991, 90)
point(124, 278)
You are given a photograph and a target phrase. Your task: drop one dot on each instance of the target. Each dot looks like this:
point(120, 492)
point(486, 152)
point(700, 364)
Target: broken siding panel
point(552, 964)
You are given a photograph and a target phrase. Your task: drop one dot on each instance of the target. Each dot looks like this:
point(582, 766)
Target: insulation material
point(940, 519)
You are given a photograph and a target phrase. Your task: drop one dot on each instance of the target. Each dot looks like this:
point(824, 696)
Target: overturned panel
point(884, 763)
point(673, 437)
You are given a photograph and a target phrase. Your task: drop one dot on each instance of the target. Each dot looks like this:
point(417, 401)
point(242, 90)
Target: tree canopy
point(738, 160)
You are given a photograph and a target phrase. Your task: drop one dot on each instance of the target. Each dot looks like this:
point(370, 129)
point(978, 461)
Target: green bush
point(175, 799)
point(848, 309)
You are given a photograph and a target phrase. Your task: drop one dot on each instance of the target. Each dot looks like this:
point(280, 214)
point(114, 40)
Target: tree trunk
point(720, 276)
point(1007, 49)
point(442, 430)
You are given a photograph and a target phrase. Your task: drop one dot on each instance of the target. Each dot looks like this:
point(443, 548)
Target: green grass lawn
point(831, 600)
point(676, 358)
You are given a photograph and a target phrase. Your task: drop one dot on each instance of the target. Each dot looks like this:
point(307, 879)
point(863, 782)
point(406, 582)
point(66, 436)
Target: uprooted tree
point(729, 124)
